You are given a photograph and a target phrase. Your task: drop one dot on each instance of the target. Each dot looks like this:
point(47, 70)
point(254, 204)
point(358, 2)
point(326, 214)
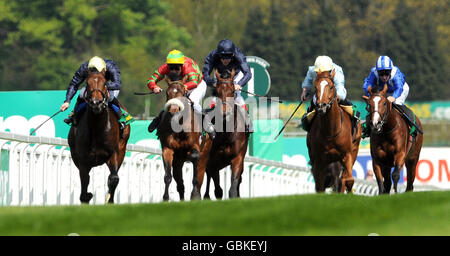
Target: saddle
point(409, 117)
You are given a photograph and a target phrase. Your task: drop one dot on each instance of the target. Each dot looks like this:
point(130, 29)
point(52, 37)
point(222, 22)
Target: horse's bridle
point(383, 117)
point(185, 91)
point(326, 106)
point(88, 94)
point(226, 82)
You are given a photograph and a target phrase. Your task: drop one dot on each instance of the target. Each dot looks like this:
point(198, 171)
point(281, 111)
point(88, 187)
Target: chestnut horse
point(230, 144)
point(179, 142)
point(97, 138)
point(331, 145)
point(391, 144)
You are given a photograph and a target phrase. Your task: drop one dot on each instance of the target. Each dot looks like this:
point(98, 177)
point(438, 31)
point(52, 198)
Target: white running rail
point(40, 171)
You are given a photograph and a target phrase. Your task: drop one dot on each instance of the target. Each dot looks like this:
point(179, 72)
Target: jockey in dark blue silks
point(113, 83)
point(226, 57)
point(383, 73)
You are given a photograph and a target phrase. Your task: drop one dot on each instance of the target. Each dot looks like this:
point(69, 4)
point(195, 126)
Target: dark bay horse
point(97, 138)
point(331, 145)
point(391, 144)
point(230, 144)
point(179, 132)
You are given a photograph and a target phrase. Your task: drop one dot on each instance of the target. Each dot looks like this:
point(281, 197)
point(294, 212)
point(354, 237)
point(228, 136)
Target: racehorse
point(391, 142)
point(331, 145)
point(230, 144)
point(97, 138)
point(179, 142)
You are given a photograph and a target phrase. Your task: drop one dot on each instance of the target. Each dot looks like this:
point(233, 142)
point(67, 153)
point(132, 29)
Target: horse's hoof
point(109, 199)
point(195, 196)
point(165, 198)
point(86, 198)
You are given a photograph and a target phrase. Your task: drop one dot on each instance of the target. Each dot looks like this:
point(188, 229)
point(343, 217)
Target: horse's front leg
point(178, 176)
point(399, 161)
point(167, 160)
point(85, 197)
point(113, 178)
point(237, 167)
point(195, 194)
point(377, 170)
point(347, 177)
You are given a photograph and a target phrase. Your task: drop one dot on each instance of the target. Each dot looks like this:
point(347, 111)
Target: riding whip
point(254, 94)
point(143, 93)
point(301, 102)
point(34, 130)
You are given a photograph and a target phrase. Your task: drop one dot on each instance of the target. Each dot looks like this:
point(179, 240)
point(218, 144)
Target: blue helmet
point(384, 63)
point(225, 47)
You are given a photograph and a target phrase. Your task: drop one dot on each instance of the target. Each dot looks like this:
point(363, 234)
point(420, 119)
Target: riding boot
point(115, 105)
point(73, 116)
point(208, 127)
point(305, 124)
point(366, 127)
point(154, 124)
point(408, 115)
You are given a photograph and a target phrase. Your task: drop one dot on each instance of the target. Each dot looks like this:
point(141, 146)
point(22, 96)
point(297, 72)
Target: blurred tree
point(413, 47)
point(255, 37)
point(44, 42)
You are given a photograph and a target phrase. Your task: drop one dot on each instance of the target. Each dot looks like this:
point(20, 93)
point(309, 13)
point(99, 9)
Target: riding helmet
point(175, 57)
point(97, 63)
point(384, 63)
point(323, 63)
point(226, 47)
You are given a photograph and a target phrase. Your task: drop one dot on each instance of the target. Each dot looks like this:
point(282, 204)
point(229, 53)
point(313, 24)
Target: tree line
point(42, 43)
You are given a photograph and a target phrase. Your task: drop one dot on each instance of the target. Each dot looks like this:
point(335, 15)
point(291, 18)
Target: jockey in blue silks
point(112, 75)
point(383, 73)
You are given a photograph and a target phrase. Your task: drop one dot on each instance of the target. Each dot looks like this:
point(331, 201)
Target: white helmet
point(323, 63)
point(97, 63)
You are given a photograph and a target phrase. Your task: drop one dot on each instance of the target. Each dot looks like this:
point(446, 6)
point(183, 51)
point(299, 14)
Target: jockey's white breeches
point(402, 98)
point(197, 94)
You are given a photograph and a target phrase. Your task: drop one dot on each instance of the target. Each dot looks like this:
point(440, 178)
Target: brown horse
point(331, 145)
point(230, 144)
point(391, 144)
point(179, 142)
point(97, 138)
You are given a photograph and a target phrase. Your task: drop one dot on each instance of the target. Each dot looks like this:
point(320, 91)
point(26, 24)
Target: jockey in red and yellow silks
point(195, 85)
point(190, 68)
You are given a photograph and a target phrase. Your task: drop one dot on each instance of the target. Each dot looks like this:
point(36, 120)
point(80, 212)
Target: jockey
point(323, 63)
point(195, 85)
point(226, 57)
point(383, 73)
point(112, 75)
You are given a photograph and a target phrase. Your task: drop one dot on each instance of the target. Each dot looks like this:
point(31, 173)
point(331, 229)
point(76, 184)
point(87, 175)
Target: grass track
point(418, 213)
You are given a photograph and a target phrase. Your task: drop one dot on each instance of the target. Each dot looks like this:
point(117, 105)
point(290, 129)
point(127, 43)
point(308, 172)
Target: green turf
point(418, 213)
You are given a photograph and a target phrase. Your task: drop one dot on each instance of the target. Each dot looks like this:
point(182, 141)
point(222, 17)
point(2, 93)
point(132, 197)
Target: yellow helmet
point(97, 63)
point(175, 57)
point(323, 63)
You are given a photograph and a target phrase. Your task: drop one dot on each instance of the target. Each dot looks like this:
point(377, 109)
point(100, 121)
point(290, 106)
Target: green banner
point(22, 111)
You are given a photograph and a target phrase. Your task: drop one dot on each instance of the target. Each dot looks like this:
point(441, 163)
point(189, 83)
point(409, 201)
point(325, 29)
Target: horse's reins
point(185, 91)
point(88, 94)
point(328, 106)
point(226, 82)
point(385, 116)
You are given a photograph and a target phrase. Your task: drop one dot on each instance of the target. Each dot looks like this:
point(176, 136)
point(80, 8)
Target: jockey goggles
point(385, 72)
point(226, 56)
